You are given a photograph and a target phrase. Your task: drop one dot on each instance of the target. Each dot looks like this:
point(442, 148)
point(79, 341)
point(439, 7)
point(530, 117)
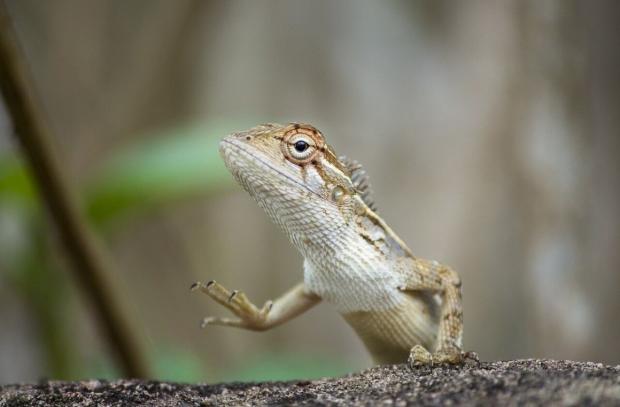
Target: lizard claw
point(268, 306)
point(206, 321)
point(198, 285)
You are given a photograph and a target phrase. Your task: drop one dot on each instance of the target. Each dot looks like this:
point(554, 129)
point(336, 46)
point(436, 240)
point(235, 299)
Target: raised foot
point(249, 316)
point(419, 356)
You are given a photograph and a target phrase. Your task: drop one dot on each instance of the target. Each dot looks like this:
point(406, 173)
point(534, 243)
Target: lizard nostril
point(248, 138)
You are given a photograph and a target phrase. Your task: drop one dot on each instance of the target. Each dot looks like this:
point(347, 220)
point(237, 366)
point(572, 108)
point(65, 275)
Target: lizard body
point(398, 304)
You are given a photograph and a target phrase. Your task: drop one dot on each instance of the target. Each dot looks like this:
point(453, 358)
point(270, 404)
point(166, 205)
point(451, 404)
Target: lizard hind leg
point(424, 275)
point(448, 347)
point(449, 338)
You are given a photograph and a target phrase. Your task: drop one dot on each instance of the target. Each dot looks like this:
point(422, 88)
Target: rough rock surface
point(529, 381)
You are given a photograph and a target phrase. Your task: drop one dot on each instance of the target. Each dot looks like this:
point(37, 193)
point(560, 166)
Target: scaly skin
point(398, 304)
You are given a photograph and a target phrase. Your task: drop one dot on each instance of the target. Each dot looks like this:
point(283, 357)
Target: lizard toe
point(419, 356)
point(455, 356)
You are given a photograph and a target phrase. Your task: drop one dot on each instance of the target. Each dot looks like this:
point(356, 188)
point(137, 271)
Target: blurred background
point(490, 130)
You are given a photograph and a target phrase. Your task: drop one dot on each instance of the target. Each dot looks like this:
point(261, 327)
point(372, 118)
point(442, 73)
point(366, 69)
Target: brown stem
point(88, 263)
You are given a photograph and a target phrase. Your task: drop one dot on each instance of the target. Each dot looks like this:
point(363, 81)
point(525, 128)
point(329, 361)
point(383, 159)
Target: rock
point(531, 381)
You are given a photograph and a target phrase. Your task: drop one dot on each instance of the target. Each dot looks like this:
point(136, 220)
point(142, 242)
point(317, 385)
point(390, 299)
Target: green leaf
point(15, 182)
point(166, 167)
point(178, 164)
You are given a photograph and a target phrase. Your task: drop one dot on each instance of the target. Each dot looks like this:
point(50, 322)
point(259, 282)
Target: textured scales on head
point(307, 190)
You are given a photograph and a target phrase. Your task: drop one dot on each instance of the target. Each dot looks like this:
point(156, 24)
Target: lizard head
point(290, 167)
point(282, 160)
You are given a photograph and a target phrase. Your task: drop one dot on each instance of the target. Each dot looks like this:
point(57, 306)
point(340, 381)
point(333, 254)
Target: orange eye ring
point(301, 145)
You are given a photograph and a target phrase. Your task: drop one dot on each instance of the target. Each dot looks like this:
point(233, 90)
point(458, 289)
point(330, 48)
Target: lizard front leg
point(432, 276)
point(292, 303)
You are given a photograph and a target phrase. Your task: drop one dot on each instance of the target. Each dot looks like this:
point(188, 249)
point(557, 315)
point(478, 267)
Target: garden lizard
point(401, 306)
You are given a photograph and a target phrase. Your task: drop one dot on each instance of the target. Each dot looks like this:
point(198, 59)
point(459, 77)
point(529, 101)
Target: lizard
point(402, 307)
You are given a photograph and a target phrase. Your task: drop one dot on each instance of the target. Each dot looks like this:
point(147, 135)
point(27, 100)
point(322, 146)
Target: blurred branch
point(88, 263)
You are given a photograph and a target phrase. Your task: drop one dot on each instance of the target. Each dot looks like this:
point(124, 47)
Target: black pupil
point(301, 146)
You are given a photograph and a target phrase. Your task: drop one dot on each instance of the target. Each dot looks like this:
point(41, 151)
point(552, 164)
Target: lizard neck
point(350, 258)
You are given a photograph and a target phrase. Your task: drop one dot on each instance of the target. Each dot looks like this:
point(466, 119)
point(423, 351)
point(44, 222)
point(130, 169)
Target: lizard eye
point(300, 148)
point(301, 144)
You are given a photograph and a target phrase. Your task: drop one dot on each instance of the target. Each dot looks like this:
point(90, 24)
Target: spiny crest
point(360, 180)
point(302, 143)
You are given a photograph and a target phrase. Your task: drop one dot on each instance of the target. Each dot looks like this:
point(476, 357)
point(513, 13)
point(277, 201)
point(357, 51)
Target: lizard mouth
point(240, 147)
